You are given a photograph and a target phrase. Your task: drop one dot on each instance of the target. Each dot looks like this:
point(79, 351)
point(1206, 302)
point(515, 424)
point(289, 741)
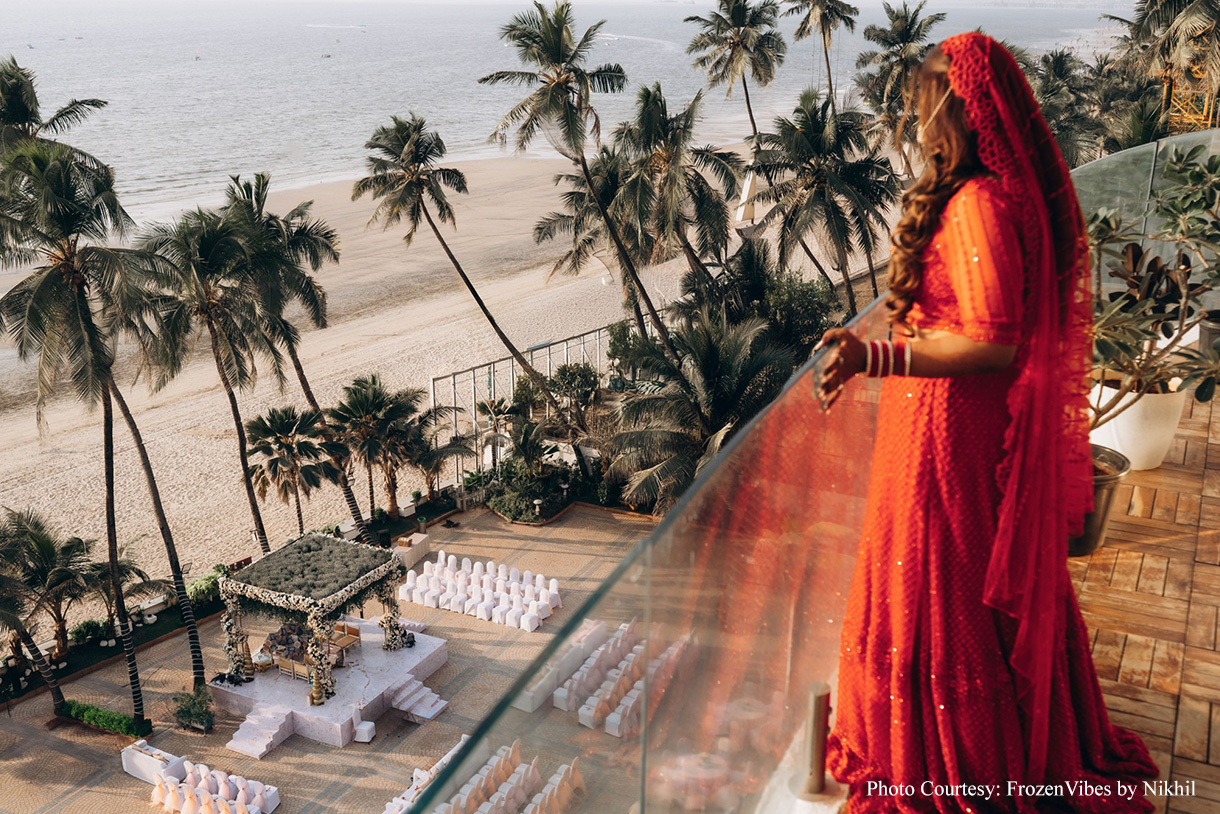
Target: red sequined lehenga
point(935, 689)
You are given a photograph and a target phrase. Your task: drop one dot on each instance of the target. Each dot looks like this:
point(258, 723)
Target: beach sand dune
point(400, 313)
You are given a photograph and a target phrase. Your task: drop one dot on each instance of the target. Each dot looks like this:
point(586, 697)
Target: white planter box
point(1144, 432)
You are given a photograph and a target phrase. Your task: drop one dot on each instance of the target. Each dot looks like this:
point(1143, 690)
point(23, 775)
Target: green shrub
point(194, 708)
point(380, 515)
point(416, 496)
point(106, 719)
point(87, 631)
point(526, 396)
point(207, 586)
point(575, 381)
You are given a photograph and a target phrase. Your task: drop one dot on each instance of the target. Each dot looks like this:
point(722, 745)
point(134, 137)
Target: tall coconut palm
point(57, 214)
point(21, 112)
point(739, 37)
point(582, 220)
point(887, 71)
point(730, 372)
point(207, 288)
point(828, 183)
point(404, 177)
point(298, 455)
point(823, 17)
point(288, 251)
point(672, 179)
point(15, 614)
point(57, 571)
point(562, 98)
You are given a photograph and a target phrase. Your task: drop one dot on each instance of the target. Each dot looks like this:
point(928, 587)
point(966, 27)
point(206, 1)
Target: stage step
point(263, 730)
point(418, 702)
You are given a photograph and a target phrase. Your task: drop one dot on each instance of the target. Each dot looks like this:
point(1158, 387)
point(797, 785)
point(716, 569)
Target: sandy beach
point(402, 313)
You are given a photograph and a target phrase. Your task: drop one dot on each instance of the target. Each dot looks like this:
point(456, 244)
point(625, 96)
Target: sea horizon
point(298, 89)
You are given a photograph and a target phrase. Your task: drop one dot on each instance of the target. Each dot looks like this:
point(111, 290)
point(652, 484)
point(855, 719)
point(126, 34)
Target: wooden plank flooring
point(1151, 598)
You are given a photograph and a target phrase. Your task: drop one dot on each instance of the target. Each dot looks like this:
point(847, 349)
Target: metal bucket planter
point(1109, 469)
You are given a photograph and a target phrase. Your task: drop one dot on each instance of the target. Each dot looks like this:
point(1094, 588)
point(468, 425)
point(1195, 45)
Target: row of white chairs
point(501, 786)
point(502, 609)
point(590, 675)
point(627, 716)
point(226, 786)
point(420, 780)
point(446, 566)
point(560, 791)
point(619, 681)
point(174, 796)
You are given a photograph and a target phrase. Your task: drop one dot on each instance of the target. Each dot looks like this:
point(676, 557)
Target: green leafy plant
point(1139, 330)
point(88, 631)
point(575, 381)
point(207, 587)
point(105, 719)
point(194, 709)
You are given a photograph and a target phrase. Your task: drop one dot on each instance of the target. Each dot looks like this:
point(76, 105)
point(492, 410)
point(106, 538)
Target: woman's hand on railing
point(846, 358)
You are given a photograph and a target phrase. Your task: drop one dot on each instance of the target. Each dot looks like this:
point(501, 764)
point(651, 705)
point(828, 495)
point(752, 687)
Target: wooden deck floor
point(1151, 596)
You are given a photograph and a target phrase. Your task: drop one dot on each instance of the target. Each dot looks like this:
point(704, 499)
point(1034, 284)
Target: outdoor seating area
point(505, 784)
point(491, 592)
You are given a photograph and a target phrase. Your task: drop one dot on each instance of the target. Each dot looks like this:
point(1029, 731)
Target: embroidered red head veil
point(1046, 476)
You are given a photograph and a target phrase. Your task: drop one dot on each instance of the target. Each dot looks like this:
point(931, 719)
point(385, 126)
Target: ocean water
point(200, 90)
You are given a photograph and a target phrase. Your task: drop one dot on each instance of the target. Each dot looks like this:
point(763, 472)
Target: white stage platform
point(364, 689)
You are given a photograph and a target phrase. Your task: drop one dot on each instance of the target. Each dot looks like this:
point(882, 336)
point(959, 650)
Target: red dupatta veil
point(1046, 476)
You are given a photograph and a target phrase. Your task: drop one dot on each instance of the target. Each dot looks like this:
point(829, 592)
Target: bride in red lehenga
point(965, 679)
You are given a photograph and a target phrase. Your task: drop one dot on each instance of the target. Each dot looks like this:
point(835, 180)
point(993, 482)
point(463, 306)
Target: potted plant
point(1144, 364)
point(193, 710)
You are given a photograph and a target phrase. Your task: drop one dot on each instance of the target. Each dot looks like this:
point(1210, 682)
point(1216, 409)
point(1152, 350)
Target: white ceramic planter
point(1144, 431)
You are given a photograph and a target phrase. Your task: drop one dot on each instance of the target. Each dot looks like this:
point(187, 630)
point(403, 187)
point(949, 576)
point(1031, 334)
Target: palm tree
point(889, 70)
point(373, 422)
point(1178, 39)
point(582, 219)
point(530, 444)
point(1061, 87)
point(403, 178)
point(206, 285)
point(135, 582)
point(55, 570)
point(498, 412)
point(15, 615)
point(729, 373)
point(21, 114)
point(298, 455)
point(423, 451)
point(546, 43)
point(828, 183)
point(285, 247)
point(56, 212)
point(670, 185)
point(823, 17)
point(739, 37)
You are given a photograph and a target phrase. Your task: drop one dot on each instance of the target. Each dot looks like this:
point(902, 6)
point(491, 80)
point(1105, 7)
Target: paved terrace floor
point(73, 770)
point(1150, 597)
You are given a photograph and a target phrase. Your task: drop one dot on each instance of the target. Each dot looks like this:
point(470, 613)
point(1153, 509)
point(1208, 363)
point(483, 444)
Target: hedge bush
point(88, 631)
point(106, 719)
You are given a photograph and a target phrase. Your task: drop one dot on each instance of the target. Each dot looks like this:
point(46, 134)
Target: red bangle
point(884, 358)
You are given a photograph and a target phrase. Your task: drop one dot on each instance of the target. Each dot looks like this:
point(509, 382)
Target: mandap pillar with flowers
point(313, 580)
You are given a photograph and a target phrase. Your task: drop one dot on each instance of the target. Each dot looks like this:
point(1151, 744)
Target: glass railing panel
point(684, 680)
point(1120, 181)
point(752, 571)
